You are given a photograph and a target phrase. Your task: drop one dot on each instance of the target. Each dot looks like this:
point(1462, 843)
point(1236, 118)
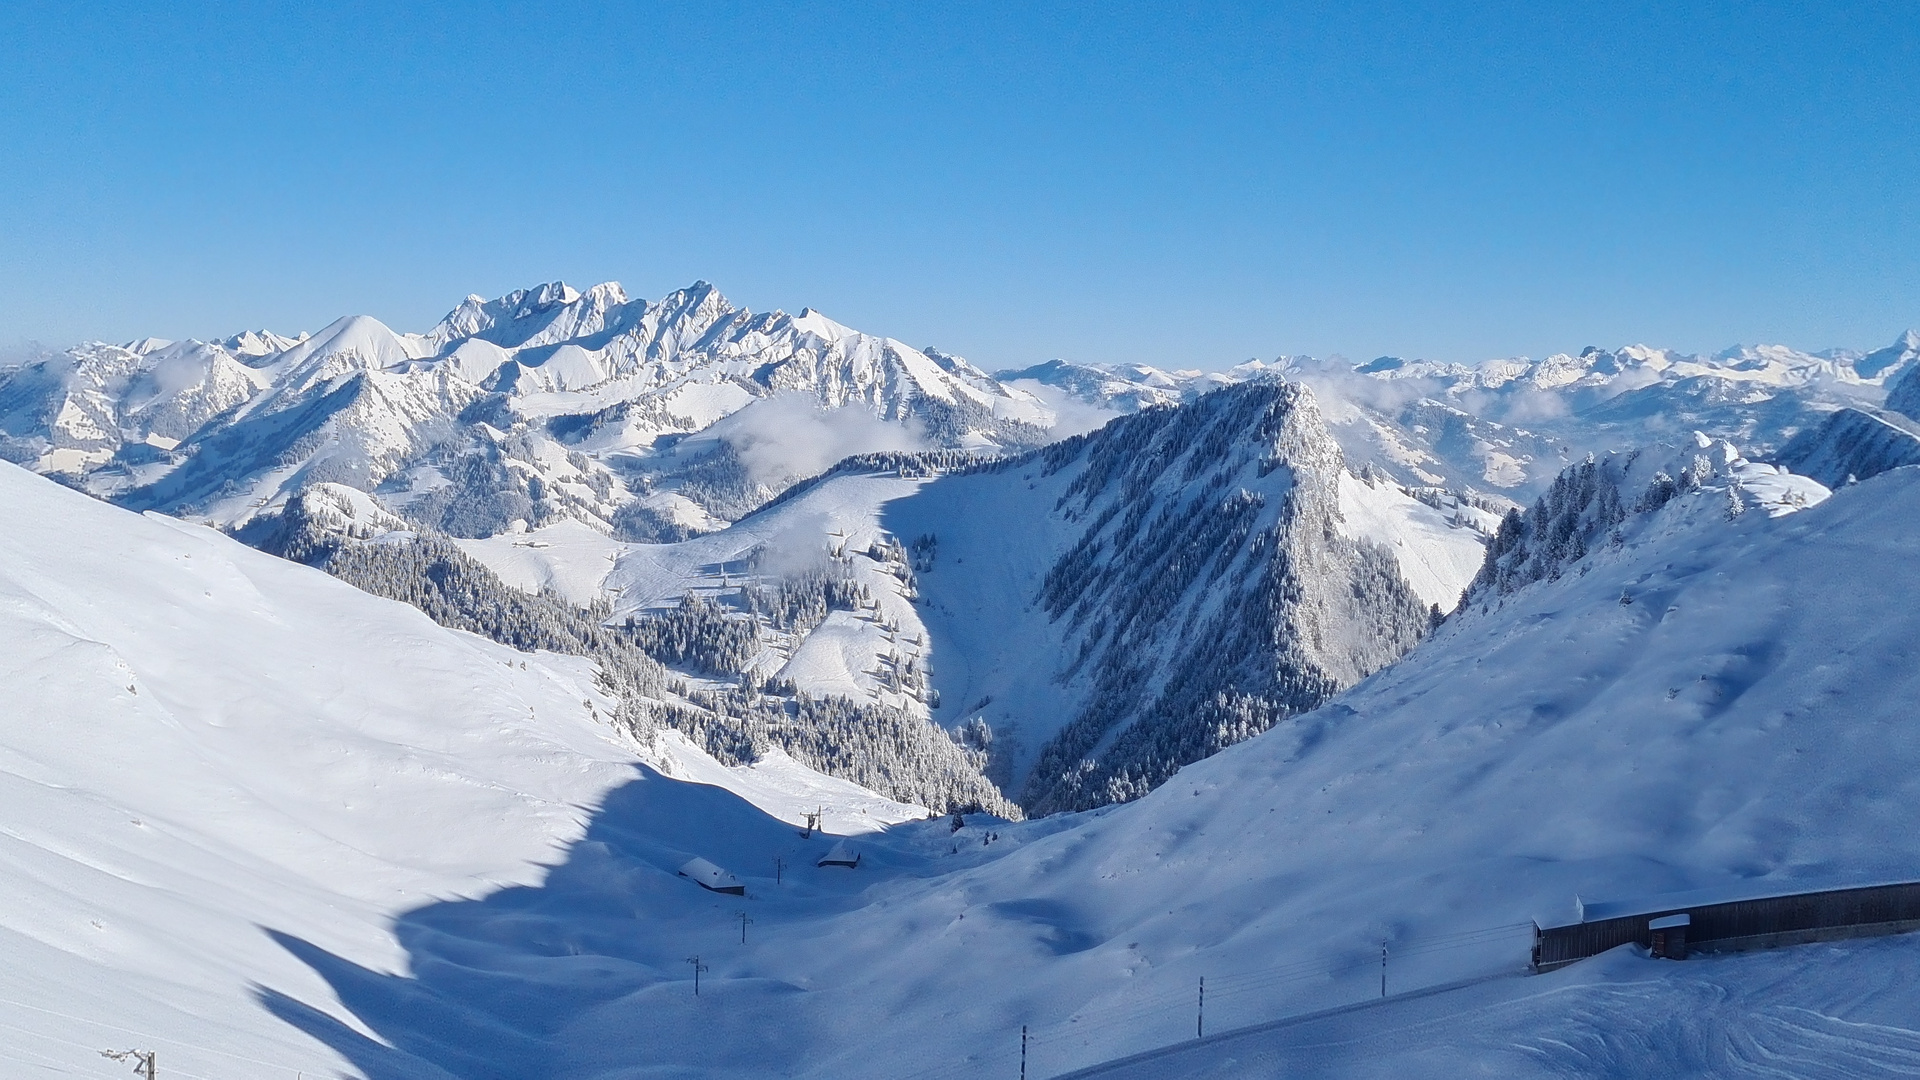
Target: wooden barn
point(1729, 920)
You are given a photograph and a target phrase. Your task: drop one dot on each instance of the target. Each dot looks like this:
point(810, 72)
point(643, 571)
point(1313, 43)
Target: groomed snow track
point(1138, 1062)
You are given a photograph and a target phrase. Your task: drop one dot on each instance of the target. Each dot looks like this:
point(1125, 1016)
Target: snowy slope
point(1015, 650)
point(1707, 733)
point(844, 655)
point(1135, 598)
point(1832, 1012)
point(1438, 551)
point(1561, 743)
point(1853, 444)
point(203, 747)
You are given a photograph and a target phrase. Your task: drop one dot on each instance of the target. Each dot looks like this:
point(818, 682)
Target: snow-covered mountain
point(1504, 429)
point(1080, 619)
point(545, 403)
point(557, 437)
point(258, 820)
point(1091, 615)
point(1121, 603)
point(1561, 744)
point(1853, 444)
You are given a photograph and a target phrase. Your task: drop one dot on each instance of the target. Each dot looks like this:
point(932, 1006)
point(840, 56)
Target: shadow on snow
point(587, 974)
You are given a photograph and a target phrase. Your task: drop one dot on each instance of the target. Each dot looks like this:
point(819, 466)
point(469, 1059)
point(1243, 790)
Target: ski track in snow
point(1771, 1015)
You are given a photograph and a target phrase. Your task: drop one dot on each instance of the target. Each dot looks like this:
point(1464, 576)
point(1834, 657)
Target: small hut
point(841, 854)
point(1668, 936)
point(711, 877)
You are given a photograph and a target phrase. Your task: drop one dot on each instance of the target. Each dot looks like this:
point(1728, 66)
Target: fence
point(1219, 1003)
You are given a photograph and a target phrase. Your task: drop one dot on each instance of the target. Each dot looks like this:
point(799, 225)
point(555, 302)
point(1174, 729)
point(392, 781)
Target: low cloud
point(789, 437)
point(1071, 416)
point(801, 546)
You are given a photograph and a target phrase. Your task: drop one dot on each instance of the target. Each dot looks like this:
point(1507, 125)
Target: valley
point(377, 739)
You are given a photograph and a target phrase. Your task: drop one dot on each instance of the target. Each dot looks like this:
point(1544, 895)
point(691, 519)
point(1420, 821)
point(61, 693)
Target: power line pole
point(779, 865)
point(143, 1061)
point(744, 920)
point(1200, 1022)
point(698, 967)
point(1383, 969)
point(1023, 1052)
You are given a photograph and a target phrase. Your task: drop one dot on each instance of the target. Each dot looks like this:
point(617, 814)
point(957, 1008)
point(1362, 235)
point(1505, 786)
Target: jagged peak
point(812, 322)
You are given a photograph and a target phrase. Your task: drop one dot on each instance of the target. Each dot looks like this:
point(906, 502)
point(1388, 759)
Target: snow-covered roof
point(841, 854)
point(1720, 894)
point(710, 876)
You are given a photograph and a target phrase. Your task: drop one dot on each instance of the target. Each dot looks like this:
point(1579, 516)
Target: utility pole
point(779, 865)
point(1200, 1022)
point(698, 967)
point(1023, 1052)
point(142, 1060)
point(1383, 969)
point(744, 920)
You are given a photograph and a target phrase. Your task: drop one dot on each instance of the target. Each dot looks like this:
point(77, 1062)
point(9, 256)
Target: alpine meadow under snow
point(372, 695)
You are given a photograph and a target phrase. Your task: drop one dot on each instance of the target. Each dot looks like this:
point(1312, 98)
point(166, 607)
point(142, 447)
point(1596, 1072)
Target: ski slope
point(202, 746)
point(1827, 1012)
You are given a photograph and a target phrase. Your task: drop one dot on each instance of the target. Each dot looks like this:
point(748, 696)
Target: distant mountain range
point(825, 535)
point(543, 404)
point(1506, 428)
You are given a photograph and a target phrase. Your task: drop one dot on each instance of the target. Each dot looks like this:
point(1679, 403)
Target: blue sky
point(1180, 185)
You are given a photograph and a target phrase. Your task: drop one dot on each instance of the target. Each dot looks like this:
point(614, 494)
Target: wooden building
point(1730, 920)
point(712, 878)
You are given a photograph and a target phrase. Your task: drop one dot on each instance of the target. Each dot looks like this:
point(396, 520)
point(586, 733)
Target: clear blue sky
point(1185, 186)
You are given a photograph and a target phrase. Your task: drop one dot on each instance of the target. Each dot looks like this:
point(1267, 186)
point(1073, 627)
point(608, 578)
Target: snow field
point(1522, 758)
point(209, 755)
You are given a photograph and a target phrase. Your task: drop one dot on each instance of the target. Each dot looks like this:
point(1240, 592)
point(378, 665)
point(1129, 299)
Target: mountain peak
point(1890, 360)
point(551, 295)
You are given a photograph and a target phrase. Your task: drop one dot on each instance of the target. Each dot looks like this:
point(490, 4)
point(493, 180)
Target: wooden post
point(1023, 1052)
point(1200, 1022)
